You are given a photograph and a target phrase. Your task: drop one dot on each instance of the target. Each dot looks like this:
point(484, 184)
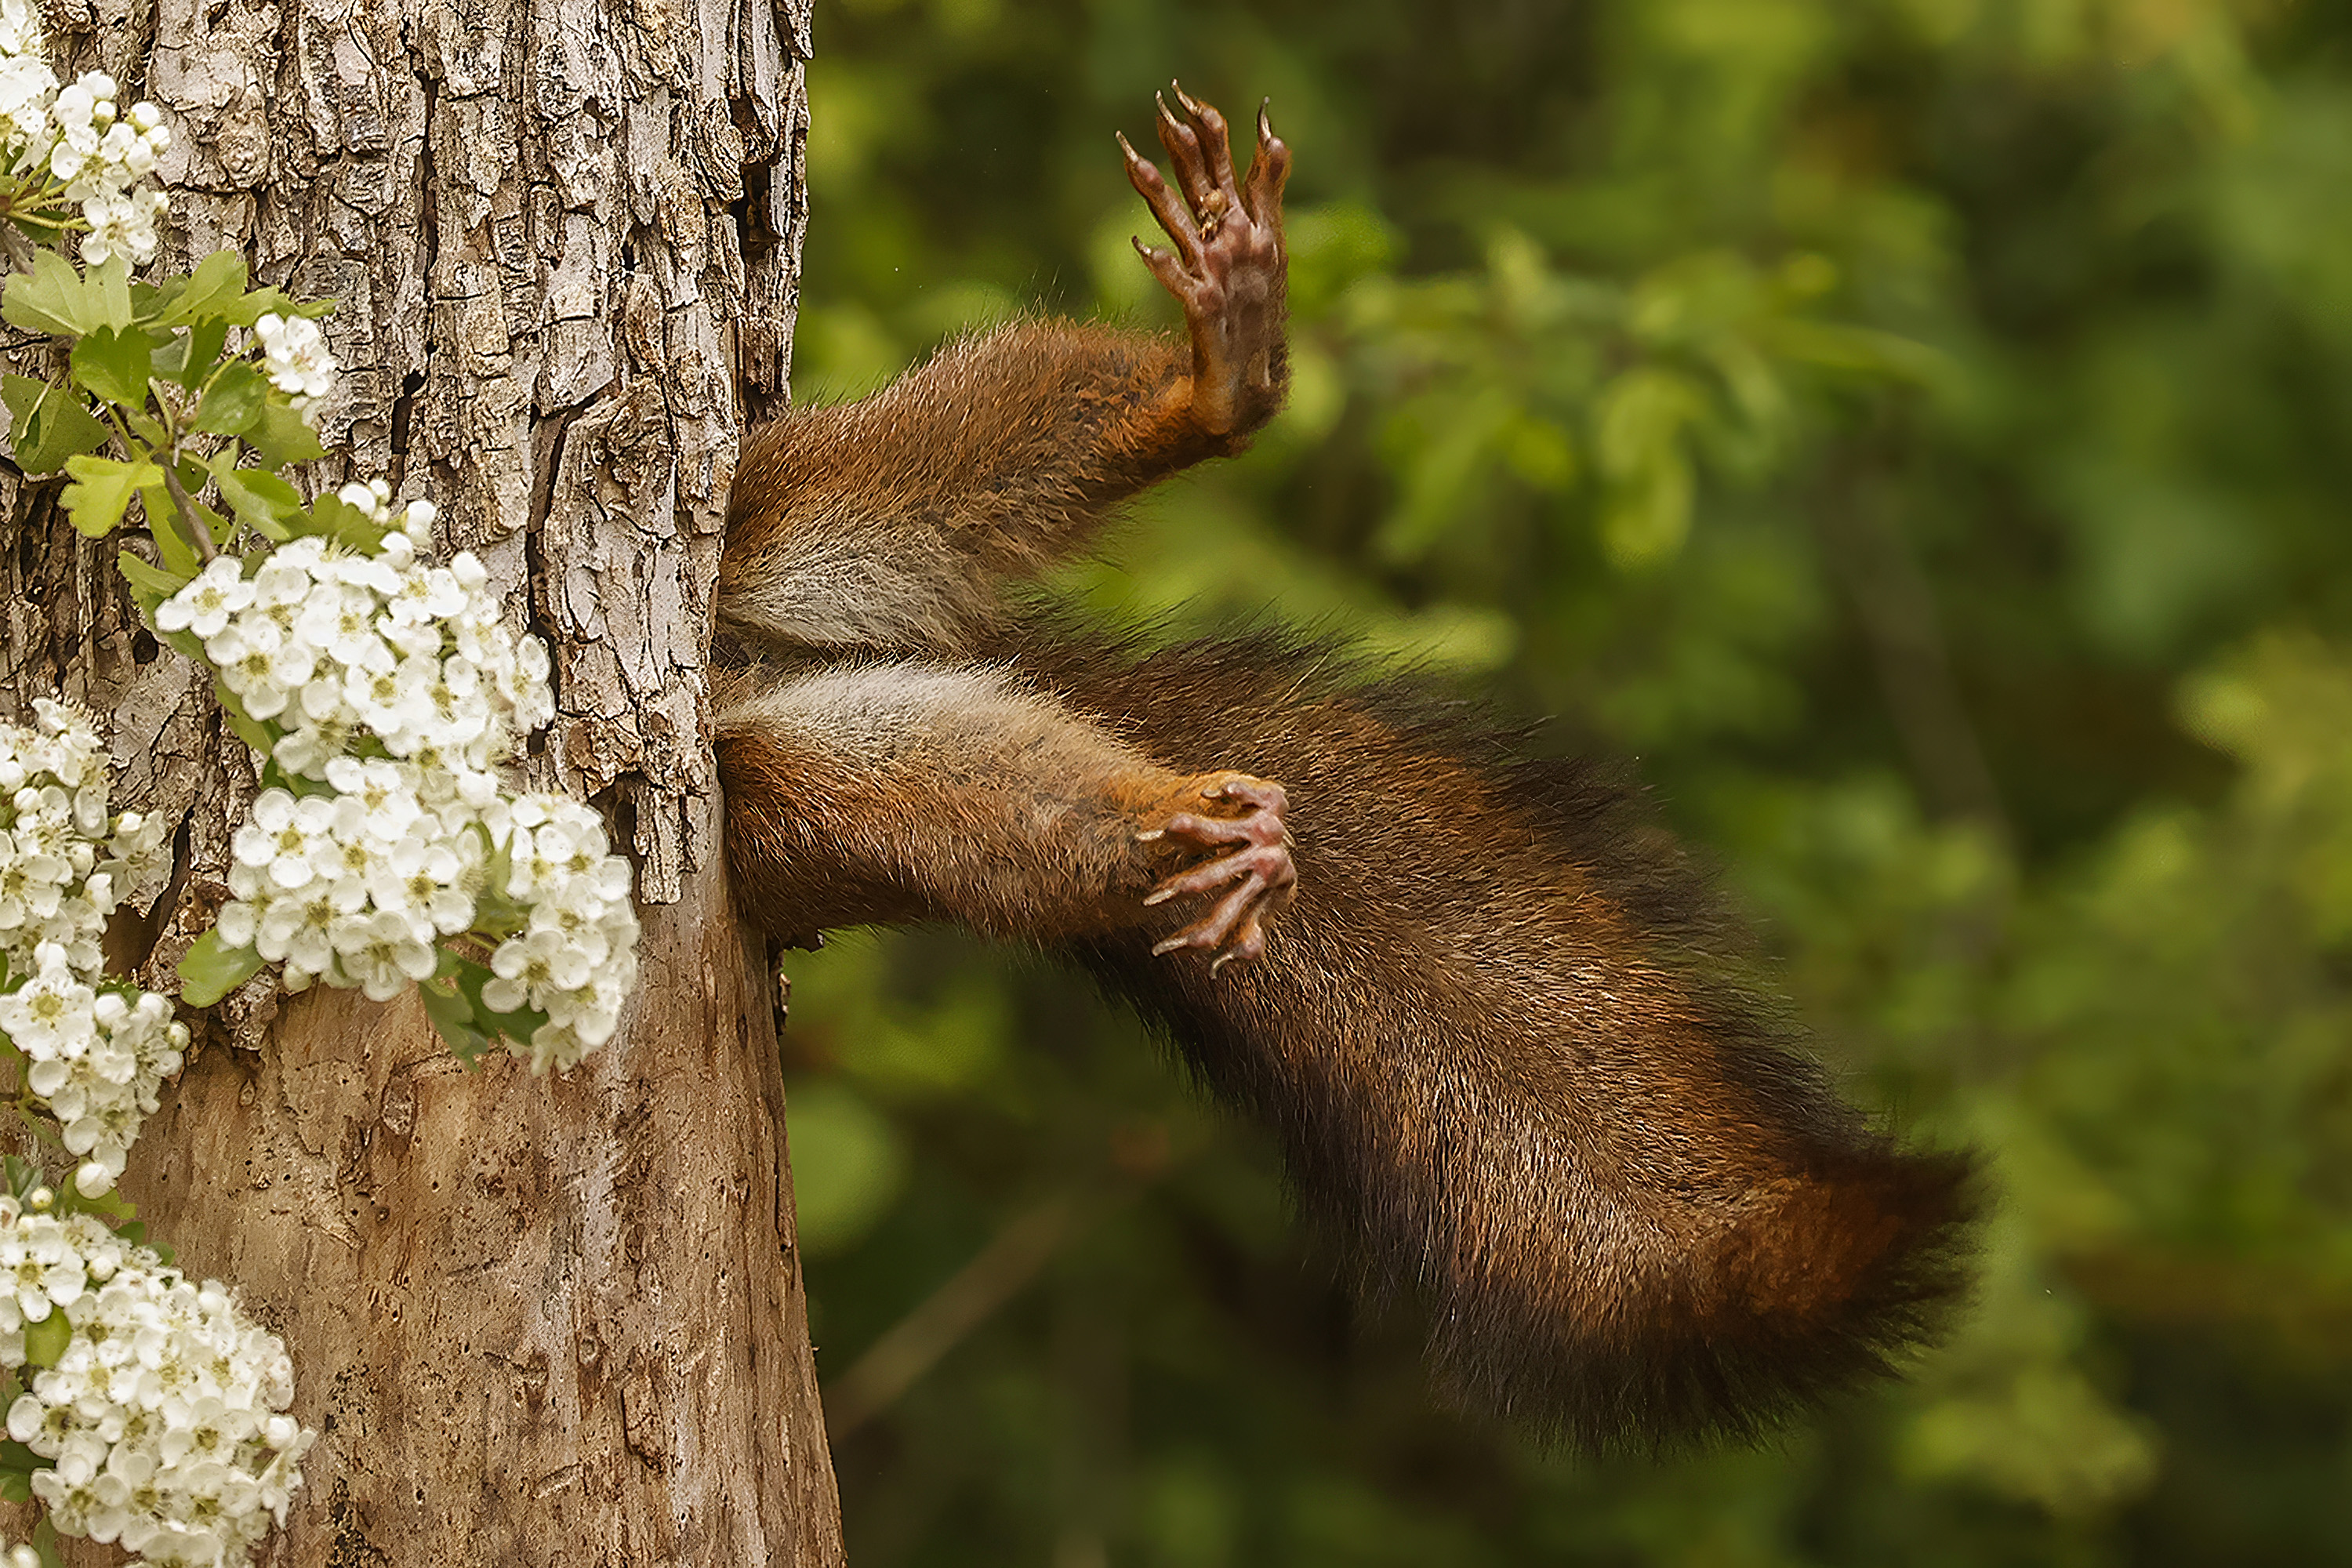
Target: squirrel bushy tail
point(1505, 1047)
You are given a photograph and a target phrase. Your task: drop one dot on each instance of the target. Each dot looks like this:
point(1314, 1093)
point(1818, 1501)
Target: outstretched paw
point(1228, 268)
point(1250, 860)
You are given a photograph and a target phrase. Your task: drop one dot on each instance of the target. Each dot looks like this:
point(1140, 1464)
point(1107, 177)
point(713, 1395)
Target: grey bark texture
point(536, 1320)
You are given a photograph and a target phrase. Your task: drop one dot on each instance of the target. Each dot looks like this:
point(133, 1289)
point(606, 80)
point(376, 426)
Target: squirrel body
point(1492, 1018)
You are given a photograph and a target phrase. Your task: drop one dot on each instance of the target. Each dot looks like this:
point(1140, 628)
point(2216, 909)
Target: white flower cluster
point(164, 1415)
point(576, 957)
point(26, 83)
point(396, 691)
point(296, 359)
point(100, 153)
point(95, 1053)
point(104, 159)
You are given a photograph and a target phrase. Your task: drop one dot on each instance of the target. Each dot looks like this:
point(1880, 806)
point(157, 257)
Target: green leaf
point(469, 976)
point(233, 401)
point(101, 490)
point(1640, 417)
point(117, 1211)
point(452, 1015)
point(188, 643)
point(45, 1340)
point(166, 517)
point(259, 497)
point(273, 776)
point(52, 297)
point(249, 729)
point(272, 302)
point(49, 423)
point(62, 429)
point(190, 357)
point(145, 576)
point(150, 584)
point(23, 396)
point(177, 550)
point(495, 913)
point(23, 1175)
point(146, 426)
point(110, 286)
point(213, 969)
point(115, 364)
point(45, 1542)
point(346, 524)
point(208, 295)
point(281, 436)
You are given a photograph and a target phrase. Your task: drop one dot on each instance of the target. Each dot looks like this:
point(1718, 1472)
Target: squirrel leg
point(890, 792)
point(889, 523)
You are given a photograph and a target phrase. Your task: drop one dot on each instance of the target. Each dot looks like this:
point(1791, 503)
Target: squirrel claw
point(1227, 269)
point(1256, 870)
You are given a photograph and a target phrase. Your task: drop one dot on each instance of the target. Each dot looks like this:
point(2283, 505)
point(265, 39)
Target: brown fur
point(1501, 1038)
point(889, 520)
point(1029, 815)
point(1506, 1040)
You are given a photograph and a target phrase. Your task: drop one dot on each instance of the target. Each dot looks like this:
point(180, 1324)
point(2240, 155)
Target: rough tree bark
point(537, 1321)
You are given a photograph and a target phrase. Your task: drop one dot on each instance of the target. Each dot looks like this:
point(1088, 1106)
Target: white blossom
point(204, 606)
point(395, 694)
point(576, 959)
point(123, 223)
point(26, 87)
point(94, 1052)
point(20, 29)
point(50, 1014)
point(164, 1417)
point(81, 113)
point(295, 357)
point(80, 139)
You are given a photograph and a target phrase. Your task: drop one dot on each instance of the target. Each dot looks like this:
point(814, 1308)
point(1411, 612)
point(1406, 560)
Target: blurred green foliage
point(1918, 430)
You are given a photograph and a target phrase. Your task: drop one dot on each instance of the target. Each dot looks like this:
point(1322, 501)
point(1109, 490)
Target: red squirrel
point(1495, 1022)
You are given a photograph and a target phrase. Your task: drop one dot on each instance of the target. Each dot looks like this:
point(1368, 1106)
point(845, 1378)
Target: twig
point(916, 1343)
point(197, 531)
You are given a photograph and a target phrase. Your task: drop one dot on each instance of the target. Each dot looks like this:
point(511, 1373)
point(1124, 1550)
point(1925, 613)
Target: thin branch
point(197, 531)
point(915, 1344)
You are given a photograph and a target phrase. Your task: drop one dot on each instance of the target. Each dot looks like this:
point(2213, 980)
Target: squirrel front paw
point(1251, 860)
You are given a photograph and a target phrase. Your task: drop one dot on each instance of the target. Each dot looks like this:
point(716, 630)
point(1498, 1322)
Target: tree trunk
point(535, 1320)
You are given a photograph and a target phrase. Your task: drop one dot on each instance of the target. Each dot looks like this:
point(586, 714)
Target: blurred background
point(1919, 432)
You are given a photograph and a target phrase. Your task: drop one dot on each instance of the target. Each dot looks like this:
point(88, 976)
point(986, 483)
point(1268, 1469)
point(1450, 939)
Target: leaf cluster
point(150, 375)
